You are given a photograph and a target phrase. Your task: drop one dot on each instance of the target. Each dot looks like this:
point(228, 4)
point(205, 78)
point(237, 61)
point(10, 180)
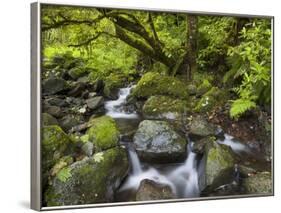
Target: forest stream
point(183, 178)
point(143, 106)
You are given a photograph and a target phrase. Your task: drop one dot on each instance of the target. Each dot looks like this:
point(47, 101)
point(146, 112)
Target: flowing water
point(183, 178)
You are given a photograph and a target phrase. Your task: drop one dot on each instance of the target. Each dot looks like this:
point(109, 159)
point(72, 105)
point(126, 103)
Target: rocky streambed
point(100, 144)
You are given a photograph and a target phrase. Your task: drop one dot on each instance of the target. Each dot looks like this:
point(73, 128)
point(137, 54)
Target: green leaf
point(64, 174)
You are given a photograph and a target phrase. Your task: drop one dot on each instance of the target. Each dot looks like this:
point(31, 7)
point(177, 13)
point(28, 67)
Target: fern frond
point(240, 106)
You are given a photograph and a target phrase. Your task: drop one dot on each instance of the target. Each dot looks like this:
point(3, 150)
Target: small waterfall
point(235, 145)
point(135, 162)
point(115, 108)
point(185, 177)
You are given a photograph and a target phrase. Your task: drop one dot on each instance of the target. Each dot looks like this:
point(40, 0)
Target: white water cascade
point(115, 108)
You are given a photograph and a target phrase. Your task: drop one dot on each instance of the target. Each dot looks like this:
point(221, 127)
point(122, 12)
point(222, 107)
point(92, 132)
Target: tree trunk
point(192, 34)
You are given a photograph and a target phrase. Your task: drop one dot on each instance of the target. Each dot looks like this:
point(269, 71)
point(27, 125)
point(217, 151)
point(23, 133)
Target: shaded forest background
point(230, 54)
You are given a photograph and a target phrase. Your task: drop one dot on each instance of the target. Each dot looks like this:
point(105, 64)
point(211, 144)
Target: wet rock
point(164, 107)
point(91, 180)
point(199, 126)
point(98, 86)
point(77, 90)
point(219, 157)
point(54, 85)
point(88, 149)
point(260, 183)
point(94, 103)
point(150, 190)
point(199, 145)
point(69, 121)
point(54, 111)
point(83, 79)
point(55, 101)
point(103, 132)
point(48, 120)
point(158, 142)
point(92, 94)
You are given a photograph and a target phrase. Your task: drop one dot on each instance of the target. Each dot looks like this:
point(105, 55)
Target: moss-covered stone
point(219, 157)
point(260, 183)
point(92, 180)
point(48, 119)
point(153, 83)
point(76, 72)
point(112, 83)
point(54, 144)
point(158, 107)
point(103, 133)
point(210, 99)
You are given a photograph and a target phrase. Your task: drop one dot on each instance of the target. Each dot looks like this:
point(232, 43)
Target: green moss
point(114, 81)
point(210, 99)
point(54, 143)
point(156, 84)
point(159, 105)
point(89, 181)
point(103, 133)
point(76, 72)
point(48, 120)
point(219, 158)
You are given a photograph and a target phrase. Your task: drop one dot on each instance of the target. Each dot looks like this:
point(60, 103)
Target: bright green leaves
point(64, 174)
point(240, 106)
point(254, 67)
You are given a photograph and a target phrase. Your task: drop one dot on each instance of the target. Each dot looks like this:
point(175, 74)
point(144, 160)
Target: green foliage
point(64, 174)
point(252, 62)
point(240, 106)
point(213, 34)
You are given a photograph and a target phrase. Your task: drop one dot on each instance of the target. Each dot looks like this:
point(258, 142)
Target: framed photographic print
point(139, 105)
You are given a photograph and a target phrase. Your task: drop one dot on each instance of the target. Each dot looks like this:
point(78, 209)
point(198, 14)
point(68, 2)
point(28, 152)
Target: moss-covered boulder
point(54, 144)
point(210, 99)
point(219, 158)
point(113, 82)
point(159, 107)
point(48, 119)
point(76, 72)
point(199, 126)
point(153, 83)
point(158, 142)
point(103, 133)
point(150, 190)
point(260, 183)
point(91, 180)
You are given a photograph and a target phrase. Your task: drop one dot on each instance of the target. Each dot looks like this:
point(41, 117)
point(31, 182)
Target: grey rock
point(199, 126)
point(260, 183)
point(88, 149)
point(70, 121)
point(94, 103)
point(54, 85)
point(158, 142)
point(150, 190)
